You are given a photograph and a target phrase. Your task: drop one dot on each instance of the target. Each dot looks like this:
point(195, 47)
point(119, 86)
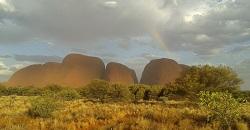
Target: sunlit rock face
point(160, 72)
point(74, 71)
point(118, 73)
point(82, 69)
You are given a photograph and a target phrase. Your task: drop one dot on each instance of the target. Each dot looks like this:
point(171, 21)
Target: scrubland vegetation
point(204, 97)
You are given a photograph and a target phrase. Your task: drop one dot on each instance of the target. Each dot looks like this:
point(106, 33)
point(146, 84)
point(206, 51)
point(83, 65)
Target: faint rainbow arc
point(159, 39)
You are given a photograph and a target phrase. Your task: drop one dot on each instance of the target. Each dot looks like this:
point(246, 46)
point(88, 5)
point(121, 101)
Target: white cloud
point(110, 4)
point(16, 67)
point(4, 70)
point(8, 70)
point(3, 66)
point(6, 5)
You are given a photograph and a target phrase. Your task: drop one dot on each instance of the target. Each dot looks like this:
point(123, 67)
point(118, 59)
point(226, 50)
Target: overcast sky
point(131, 32)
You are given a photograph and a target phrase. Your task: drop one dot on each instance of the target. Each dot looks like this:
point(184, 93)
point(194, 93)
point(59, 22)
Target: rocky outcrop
point(82, 69)
point(74, 71)
point(77, 70)
point(116, 72)
point(160, 72)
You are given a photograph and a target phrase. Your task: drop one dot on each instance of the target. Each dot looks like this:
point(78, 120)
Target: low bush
point(222, 106)
point(140, 91)
point(119, 93)
point(68, 94)
point(53, 88)
point(105, 92)
point(42, 107)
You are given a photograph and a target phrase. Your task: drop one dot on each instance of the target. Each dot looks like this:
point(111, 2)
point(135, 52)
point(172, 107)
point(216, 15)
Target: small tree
point(209, 78)
point(96, 89)
point(120, 93)
point(222, 106)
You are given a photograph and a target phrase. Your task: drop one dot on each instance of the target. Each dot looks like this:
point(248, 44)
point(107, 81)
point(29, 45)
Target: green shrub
point(222, 106)
point(105, 92)
point(53, 88)
point(175, 92)
point(119, 93)
point(42, 107)
point(68, 94)
point(2, 90)
point(33, 91)
point(96, 89)
point(155, 92)
point(140, 91)
point(13, 91)
point(209, 78)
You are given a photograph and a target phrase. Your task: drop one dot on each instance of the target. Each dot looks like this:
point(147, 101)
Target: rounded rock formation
point(82, 69)
point(116, 72)
point(75, 71)
point(160, 72)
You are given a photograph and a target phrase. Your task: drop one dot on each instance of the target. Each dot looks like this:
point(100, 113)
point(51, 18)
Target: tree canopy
point(207, 77)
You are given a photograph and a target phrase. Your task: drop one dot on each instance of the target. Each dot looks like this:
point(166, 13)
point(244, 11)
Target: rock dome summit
point(160, 72)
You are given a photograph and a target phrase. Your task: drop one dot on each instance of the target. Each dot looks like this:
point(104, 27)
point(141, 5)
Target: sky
point(131, 32)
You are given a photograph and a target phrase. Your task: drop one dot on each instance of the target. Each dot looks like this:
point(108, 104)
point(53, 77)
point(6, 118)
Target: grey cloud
point(5, 56)
point(240, 48)
point(78, 50)
point(206, 25)
point(149, 57)
point(243, 69)
point(244, 65)
point(38, 58)
point(80, 22)
point(198, 26)
point(111, 55)
point(125, 46)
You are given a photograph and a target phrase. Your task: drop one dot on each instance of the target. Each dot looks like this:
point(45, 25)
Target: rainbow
point(160, 39)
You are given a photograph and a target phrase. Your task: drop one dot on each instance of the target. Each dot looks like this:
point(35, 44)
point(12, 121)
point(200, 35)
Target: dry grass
point(80, 115)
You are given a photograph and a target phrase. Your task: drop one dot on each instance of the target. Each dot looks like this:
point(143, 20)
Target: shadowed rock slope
point(160, 72)
point(116, 72)
point(184, 67)
point(74, 71)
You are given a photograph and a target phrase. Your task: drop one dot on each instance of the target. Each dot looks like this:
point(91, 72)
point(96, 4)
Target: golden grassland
point(85, 115)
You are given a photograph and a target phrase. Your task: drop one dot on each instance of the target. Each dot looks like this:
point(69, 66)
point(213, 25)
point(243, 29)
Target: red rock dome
point(160, 72)
point(116, 72)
